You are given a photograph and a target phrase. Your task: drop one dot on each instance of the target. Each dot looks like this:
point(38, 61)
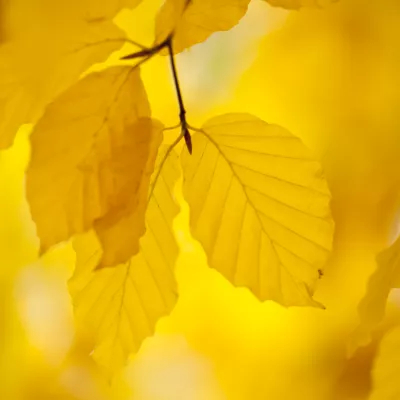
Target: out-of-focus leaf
point(68, 14)
point(122, 305)
point(297, 4)
point(385, 383)
point(260, 207)
point(109, 8)
point(44, 58)
point(373, 304)
point(193, 21)
point(92, 153)
point(132, 164)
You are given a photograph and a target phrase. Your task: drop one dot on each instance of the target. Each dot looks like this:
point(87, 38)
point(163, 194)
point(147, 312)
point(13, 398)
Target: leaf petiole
point(147, 52)
point(182, 111)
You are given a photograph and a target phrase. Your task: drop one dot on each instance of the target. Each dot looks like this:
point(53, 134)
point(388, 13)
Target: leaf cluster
point(101, 172)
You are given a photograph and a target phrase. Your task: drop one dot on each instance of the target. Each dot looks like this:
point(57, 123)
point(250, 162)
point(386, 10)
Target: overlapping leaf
point(67, 14)
point(122, 305)
point(297, 4)
point(92, 154)
point(260, 207)
point(109, 8)
point(47, 51)
point(193, 21)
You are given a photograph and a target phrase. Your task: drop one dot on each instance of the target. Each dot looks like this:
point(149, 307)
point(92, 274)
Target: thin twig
point(116, 40)
point(182, 110)
point(168, 152)
point(151, 51)
point(171, 128)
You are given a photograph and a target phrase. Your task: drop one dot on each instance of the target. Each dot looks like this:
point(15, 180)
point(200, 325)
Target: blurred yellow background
point(329, 76)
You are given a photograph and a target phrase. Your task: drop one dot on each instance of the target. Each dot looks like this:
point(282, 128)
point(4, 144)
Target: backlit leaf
point(385, 382)
point(50, 13)
point(3, 21)
point(122, 305)
point(89, 153)
point(373, 304)
point(108, 8)
point(259, 206)
point(131, 166)
point(297, 4)
point(193, 21)
point(37, 65)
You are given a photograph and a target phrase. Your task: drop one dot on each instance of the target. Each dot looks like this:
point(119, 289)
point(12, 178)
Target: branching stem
point(182, 111)
point(146, 54)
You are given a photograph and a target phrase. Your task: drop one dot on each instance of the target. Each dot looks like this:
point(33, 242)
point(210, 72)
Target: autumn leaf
point(109, 8)
point(132, 165)
point(91, 155)
point(259, 206)
point(38, 65)
point(297, 4)
point(122, 305)
point(193, 21)
point(51, 13)
point(3, 14)
point(385, 384)
point(372, 306)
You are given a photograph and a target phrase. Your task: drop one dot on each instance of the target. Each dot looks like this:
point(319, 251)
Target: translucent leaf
point(297, 4)
point(122, 305)
point(131, 167)
point(109, 8)
point(385, 382)
point(3, 29)
point(193, 21)
point(37, 65)
point(51, 13)
point(386, 276)
point(91, 153)
point(259, 206)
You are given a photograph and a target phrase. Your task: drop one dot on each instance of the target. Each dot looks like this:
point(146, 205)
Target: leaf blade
point(132, 296)
point(75, 176)
point(192, 22)
point(298, 4)
point(36, 68)
point(372, 306)
point(258, 218)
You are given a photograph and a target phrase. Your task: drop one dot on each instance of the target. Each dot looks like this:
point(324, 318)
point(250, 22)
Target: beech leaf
point(122, 305)
point(259, 205)
point(193, 21)
point(92, 153)
point(297, 4)
point(36, 67)
point(373, 304)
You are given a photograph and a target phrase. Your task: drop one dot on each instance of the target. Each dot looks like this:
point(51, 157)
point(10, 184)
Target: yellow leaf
point(385, 382)
point(109, 8)
point(122, 305)
point(373, 304)
point(297, 4)
point(194, 21)
point(52, 13)
point(36, 66)
point(3, 11)
point(259, 206)
point(132, 165)
point(76, 176)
